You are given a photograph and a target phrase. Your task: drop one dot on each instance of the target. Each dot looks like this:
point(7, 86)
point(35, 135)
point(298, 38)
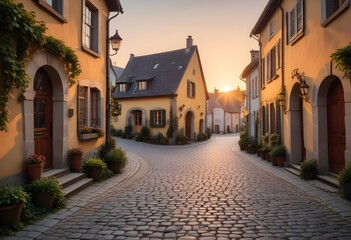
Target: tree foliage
point(342, 58)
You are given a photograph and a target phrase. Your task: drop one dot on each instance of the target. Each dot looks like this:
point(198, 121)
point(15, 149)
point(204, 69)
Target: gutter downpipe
point(108, 83)
point(257, 38)
point(283, 73)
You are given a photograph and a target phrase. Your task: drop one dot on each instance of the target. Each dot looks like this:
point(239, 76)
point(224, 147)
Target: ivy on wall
point(342, 58)
point(21, 35)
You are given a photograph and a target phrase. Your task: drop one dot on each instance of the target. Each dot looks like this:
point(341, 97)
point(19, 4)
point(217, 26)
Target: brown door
point(336, 127)
point(188, 121)
point(303, 149)
point(138, 116)
point(43, 116)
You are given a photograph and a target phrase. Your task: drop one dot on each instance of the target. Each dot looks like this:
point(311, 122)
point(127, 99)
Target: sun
point(226, 88)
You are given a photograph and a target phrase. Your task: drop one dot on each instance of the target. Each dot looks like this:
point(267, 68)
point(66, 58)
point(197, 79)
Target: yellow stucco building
point(156, 88)
point(49, 119)
point(303, 35)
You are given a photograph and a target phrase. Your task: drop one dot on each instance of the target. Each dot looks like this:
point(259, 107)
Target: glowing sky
point(220, 29)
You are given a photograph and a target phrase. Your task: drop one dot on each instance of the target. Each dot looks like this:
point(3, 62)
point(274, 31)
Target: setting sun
point(226, 88)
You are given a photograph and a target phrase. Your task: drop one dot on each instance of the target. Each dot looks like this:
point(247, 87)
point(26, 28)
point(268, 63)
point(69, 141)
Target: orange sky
point(220, 29)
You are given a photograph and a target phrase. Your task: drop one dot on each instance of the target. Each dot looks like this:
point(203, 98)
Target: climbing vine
point(342, 58)
point(21, 35)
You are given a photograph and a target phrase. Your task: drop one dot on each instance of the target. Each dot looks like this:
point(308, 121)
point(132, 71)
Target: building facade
point(52, 114)
point(315, 125)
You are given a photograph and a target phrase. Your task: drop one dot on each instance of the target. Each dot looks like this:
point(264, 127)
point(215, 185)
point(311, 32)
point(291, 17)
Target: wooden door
point(188, 123)
point(302, 136)
point(43, 116)
point(336, 127)
point(137, 121)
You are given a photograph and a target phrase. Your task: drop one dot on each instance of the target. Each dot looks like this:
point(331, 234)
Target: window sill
point(91, 52)
point(87, 136)
point(295, 39)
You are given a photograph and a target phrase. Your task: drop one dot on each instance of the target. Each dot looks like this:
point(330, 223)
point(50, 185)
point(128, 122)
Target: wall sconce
point(181, 108)
point(198, 107)
point(70, 112)
point(116, 109)
point(201, 114)
point(281, 101)
point(116, 41)
point(180, 116)
point(304, 88)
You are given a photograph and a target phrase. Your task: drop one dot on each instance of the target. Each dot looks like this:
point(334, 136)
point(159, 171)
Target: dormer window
point(142, 85)
point(122, 87)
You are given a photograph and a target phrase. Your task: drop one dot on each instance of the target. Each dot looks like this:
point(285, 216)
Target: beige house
point(49, 119)
point(303, 35)
point(155, 88)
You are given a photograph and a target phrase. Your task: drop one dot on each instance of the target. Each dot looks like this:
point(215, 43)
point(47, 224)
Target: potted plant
point(75, 156)
point(274, 139)
point(116, 159)
point(278, 153)
point(34, 166)
point(180, 139)
point(94, 167)
point(252, 146)
point(128, 131)
point(308, 169)
point(12, 199)
point(344, 179)
point(145, 133)
point(243, 141)
point(46, 193)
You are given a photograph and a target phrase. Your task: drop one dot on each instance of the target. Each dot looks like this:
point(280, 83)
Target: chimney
point(189, 43)
point(216, 92)
point(254, 54)
point(131, 57)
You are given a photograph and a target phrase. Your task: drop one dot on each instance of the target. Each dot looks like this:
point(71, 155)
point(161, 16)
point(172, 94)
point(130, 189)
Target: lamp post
point(115, 43)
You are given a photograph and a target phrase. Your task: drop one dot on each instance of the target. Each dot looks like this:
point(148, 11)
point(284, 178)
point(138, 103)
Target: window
point(54, 7)
point(332, 8)
point(191, 89)
point(263, 73)
point(122, 87)
point(295, 22)
point(271, 29)
point(88, 107)
point(142, 85)
point(138, 117)
point(158, 118)
point(90, 28)
point(272, 118)
point(272, 63)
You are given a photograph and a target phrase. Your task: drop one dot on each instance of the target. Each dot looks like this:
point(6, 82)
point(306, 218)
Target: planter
point(274, 161)
point(280, 161)
point(346, 190)
point(263, 155)
point(87, 136)
point(34, 171)
point(163, 141)
point(268, 156)
point(95, 173)
point(75, 162)
point(43, 199)
point(10, 215)
point(115, 167)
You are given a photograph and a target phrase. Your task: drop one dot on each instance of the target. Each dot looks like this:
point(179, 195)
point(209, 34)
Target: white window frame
point(142, 86)
point(295, 22)
point(271, 29)
point(191, 89)
point(90, 29)
point(122, 87)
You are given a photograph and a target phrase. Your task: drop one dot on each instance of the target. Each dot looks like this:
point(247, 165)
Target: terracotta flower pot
point(95, 173)
point(75, 162)
point(43, 199)
point(10, 215)
point(115, 167)
point(34, 171)
point(280, 161)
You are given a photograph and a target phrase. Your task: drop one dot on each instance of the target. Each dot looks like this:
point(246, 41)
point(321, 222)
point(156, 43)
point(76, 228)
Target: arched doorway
point(189, 124)
point(336, 127)
point(43, 116)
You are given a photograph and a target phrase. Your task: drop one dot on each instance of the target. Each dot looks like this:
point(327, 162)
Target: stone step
point(71, 182)
point(76, 187)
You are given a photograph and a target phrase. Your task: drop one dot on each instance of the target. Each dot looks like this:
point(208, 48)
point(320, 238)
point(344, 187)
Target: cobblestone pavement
point(199, 191)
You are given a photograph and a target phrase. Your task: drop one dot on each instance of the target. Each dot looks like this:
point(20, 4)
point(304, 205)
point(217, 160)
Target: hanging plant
point(21, 35)
point(342, 58)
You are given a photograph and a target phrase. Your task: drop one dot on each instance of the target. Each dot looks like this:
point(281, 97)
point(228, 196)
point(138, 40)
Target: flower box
point(87, 136)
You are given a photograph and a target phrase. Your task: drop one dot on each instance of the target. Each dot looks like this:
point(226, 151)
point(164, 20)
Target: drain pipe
point(282, 71)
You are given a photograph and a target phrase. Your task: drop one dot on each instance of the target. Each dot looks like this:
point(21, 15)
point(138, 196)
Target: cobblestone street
point(200, 191)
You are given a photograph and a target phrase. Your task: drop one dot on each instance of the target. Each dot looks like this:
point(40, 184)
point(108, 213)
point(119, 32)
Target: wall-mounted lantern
point(181, 108)
point(70, 112)
point(304, 87)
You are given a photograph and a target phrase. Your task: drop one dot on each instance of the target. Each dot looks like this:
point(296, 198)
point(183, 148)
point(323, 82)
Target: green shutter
point(152, 113)
point(163, 114)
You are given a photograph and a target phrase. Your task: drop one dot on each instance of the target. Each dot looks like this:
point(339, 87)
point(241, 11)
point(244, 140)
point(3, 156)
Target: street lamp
point(304, 88)
point(116, 41)
point(115, 44)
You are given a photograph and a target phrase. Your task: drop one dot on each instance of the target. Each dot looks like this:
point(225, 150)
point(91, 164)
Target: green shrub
point(50, 185)
point(345, 175)
point(278, 151)
point(12, 195)
point(116, 155)
point(308, 169)
point(274, 139)
point(94, 162)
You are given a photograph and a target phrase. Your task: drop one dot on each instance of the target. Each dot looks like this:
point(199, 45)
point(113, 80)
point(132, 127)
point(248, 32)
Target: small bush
point(345, 175)
point(278, 151)
point(308, 169)
point(94, 163)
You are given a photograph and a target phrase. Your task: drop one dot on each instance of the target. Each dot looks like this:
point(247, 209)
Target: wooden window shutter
point(152, 118)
